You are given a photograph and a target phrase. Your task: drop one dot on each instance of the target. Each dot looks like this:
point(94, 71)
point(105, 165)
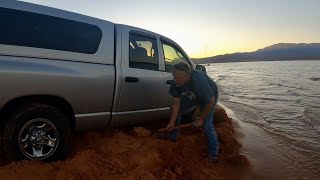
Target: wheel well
point(55, 101)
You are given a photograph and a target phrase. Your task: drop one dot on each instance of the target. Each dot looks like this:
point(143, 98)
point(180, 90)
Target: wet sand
point(256, 143)
point(136, 153)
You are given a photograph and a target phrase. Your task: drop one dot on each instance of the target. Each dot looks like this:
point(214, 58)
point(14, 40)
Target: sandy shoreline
point(135, 153)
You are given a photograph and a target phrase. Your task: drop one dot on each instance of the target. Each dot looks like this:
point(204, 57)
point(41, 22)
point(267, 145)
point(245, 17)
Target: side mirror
point(201, 68)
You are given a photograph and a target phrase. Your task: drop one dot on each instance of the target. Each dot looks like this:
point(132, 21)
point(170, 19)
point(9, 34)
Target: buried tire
point(36, 131)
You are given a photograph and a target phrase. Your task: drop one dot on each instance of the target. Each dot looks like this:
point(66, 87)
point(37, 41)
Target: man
point(194, 88)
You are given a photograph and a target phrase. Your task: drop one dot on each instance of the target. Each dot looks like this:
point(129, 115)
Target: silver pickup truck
point(62, 72)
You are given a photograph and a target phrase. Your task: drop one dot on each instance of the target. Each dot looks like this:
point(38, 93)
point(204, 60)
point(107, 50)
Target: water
point(278, 104)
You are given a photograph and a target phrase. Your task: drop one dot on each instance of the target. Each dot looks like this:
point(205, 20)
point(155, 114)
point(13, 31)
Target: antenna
point(205, 54)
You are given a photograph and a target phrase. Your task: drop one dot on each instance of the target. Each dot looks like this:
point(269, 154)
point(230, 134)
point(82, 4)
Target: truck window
point(172, 56)
point(21, 28)
point(143, 53)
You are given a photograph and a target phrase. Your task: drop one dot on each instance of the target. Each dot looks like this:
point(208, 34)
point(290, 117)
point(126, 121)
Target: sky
point(205, 28)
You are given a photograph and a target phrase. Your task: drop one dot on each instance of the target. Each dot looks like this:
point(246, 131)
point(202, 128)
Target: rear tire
point(37, 131)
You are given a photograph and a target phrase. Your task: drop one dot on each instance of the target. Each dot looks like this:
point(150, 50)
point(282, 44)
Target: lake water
point(278, 105)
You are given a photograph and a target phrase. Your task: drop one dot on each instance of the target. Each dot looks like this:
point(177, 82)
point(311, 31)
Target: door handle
point(169, 81)
point(131, 79)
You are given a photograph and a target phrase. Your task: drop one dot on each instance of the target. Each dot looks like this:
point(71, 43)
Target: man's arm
point(206, 111)
point(174, 112)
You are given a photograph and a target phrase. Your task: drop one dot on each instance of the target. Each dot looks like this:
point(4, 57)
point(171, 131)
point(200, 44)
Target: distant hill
point(276, 52)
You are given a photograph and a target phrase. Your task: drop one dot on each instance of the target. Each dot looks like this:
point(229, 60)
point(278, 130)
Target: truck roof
point(36, 8)
point(50, 11)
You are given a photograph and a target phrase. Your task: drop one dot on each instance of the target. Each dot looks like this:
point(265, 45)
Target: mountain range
point(276, 52)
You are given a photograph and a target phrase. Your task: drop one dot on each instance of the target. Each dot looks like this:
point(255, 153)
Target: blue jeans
point(209, 131)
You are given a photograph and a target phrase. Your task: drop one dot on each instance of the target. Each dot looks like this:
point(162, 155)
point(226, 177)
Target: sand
point(136, 153)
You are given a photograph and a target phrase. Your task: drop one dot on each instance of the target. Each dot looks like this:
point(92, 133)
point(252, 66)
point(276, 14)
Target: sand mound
point(141, 132)
point(136, 154)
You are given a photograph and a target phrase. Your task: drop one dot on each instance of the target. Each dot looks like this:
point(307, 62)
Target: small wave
point(315, 78)
point(276, 84)
point(309, 115)
point(270, 99)
point(317, 128)
point(281, 85)
point(305, 116)
point(247, 113)
point(298, 101)
point(221, 77)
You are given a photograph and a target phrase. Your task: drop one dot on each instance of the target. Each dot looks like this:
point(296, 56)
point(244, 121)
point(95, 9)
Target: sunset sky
point(225, 26)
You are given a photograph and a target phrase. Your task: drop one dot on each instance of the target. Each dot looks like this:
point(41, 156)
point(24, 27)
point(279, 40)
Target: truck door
point(141, 81)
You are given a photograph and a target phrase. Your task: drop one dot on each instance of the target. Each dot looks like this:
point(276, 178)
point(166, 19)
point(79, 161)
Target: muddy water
point(277, 105)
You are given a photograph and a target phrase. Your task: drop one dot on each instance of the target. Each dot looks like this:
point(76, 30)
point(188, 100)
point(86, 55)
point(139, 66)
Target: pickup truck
point(62, 72)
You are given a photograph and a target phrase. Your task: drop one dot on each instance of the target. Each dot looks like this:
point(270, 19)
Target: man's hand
point(170, 125)
point(199, 123)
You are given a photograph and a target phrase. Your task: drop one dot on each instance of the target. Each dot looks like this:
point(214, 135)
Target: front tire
point(37, 131)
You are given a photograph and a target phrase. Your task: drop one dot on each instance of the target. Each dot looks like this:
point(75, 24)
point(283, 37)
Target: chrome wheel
point(38, 139)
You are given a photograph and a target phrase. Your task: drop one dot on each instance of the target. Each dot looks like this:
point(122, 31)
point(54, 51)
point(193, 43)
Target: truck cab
point(62, 72)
